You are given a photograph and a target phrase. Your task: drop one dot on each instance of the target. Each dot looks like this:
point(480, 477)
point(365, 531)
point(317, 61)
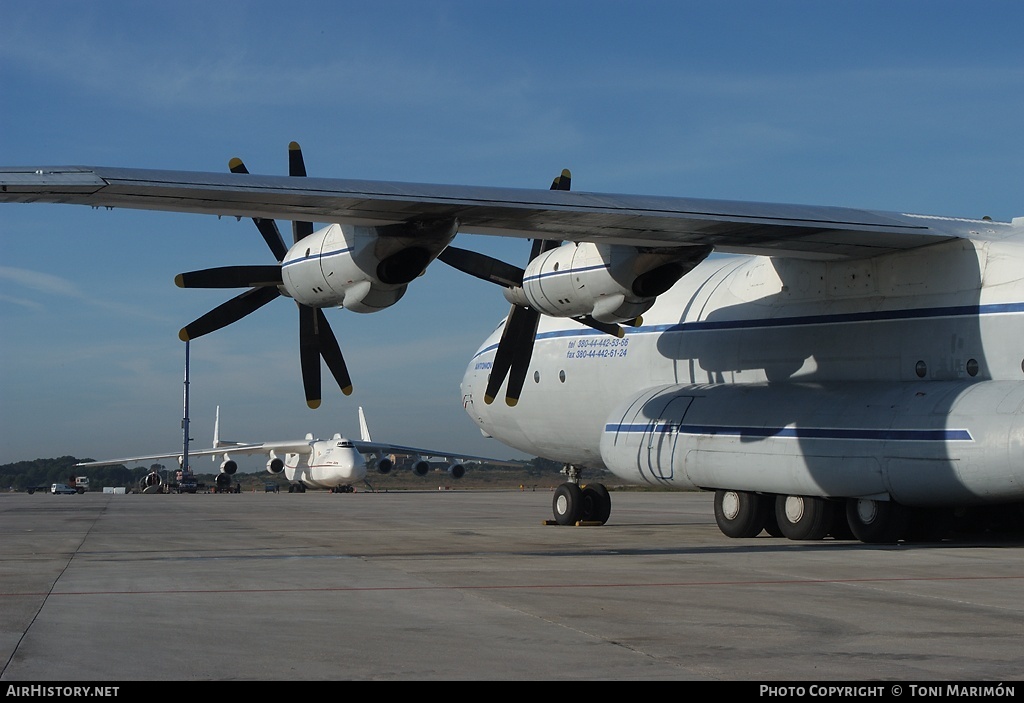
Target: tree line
point(22, 475)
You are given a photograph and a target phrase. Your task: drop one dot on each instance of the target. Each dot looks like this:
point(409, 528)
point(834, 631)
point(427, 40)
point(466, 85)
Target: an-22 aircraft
point(336, 464)
point(850, 371)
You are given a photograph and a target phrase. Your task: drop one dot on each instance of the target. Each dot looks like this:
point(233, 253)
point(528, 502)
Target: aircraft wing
point(371, 447)
point(296, 447)
point(650, 221)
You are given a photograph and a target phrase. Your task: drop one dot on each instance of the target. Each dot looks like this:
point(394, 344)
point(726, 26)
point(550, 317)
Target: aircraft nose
point(356, 466)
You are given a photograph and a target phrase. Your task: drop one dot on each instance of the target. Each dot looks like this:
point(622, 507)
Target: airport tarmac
point(471, 585)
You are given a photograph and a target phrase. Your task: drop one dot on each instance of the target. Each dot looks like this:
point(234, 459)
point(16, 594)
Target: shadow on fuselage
point(845, 364)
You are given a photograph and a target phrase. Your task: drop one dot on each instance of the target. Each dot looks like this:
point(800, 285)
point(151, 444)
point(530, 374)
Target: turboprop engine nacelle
point(363, 269)
point(611, 283)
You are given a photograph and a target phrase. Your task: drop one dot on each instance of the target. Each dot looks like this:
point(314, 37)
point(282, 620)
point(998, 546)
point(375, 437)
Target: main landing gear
point(580, 504)
point(747, 514)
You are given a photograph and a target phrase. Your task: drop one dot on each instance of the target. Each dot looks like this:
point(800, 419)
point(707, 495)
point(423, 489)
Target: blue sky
point(910, 106)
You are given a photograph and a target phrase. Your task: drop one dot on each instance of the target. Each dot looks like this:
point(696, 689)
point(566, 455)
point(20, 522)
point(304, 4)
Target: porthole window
point(561, 376)
point(921, 369)
point(536, 376)
point(972, 367)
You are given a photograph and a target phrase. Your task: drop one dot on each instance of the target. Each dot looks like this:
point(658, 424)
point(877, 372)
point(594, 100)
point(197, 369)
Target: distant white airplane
point(846, 372)
point(334, 464)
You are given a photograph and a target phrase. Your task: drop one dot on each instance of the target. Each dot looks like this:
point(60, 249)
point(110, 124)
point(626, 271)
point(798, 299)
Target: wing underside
point(364, 447)
point(647, 221)
point(302, 447)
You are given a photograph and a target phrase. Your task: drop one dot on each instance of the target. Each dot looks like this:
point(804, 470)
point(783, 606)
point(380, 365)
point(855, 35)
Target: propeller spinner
point(316, 339)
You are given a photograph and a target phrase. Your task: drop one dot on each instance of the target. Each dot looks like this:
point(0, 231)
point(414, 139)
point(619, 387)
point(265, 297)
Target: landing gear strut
point(573, 503)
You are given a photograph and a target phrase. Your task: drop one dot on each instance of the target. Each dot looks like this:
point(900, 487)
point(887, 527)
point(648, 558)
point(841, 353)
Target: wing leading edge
point(297, 447)
point(650, 221)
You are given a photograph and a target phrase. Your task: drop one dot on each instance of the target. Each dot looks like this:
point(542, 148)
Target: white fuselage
point(330, 464)
point(897, 376)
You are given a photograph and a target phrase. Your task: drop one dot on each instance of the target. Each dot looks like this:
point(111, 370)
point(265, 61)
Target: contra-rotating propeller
point(515, 348)
point(315, 336)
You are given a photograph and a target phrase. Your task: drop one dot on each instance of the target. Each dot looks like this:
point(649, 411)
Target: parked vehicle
point(62, 489)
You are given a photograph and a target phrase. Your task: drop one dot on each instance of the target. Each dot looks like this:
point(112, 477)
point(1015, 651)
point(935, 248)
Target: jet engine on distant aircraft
point(275, 465)
point(456, 470)
point(228, 466)
point(419, 466)
point(384, 465)
point(610, 283)
point(151, 482)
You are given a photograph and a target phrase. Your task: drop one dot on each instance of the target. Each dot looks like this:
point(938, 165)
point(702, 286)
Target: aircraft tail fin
point(364, 430)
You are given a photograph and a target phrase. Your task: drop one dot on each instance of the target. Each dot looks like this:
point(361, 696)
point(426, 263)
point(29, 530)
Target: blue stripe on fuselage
point(888, 435)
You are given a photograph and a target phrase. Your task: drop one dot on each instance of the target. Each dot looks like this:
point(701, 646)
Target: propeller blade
point(296, 164)
point(522, 352)
point(482, 266)
point(331, 353)
point(315, 340)
point(515, 348)
point(230, 277)
point(231, 311)
point(297, 167)
point(563, 181)
point(520, 328)
point(309, 355)
point(272, 236)
point(268, 228)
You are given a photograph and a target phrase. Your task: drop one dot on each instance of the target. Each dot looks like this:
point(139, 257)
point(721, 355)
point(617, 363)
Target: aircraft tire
point(741, 513)
point(567, 504)
point(597, 503)
point(804, 517)
point(877, 521)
